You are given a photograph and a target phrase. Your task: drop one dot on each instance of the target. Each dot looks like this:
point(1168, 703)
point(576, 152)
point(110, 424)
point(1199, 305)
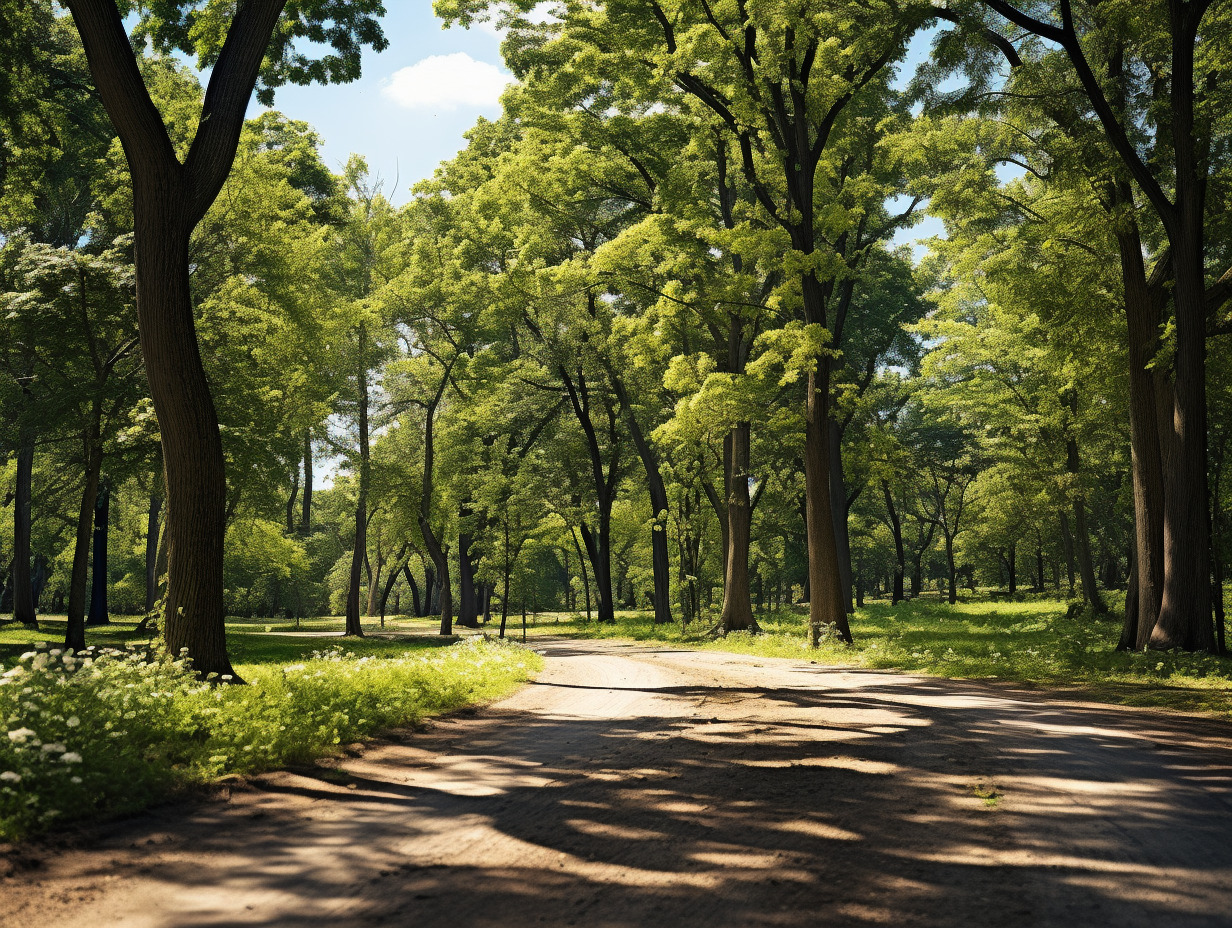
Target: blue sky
point(409, 110)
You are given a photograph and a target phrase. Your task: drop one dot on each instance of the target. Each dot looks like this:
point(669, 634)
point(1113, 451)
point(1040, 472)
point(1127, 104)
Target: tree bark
point(951, 572)
point(98, 591)
point(291, 500)
point(410, 581)
point(353, 624)
point(737, 614)
point(660, 561)
point(305, 520)
point(585, 573)
point(152, 527)
point(23, 591)
point(75, 628)
point(839, 508)
point(896, 529)
point(468, 613)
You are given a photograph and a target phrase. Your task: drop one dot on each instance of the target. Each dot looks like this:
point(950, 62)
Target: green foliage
point(111, 731)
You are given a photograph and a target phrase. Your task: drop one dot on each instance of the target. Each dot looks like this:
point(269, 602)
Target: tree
point(170, 196)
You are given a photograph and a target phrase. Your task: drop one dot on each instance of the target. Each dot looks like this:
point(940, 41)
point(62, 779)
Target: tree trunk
point(1011, 562)
point(737, 614)
point(468, 613)
point(374, 581)
point(1185, 609)
point(353, 625)
point(896, 528)
point(305, 520)
point(1067, 542)
point(193, 466)
point(585, 573)
point(98, 591)
point(152, 526)
point(389, 583)
point(1133, 607)
point(598, 547)
point(429, 601)
point(410, 581)
point(950, 570)
point(75, 629)
point(291, 500)
point(827, 608)
point(1086, 567)
point(839, 507)
point(440, 560)
point(23, 591)
point(170, 196)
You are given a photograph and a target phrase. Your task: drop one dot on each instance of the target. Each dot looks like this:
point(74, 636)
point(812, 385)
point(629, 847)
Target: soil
point(634, 786)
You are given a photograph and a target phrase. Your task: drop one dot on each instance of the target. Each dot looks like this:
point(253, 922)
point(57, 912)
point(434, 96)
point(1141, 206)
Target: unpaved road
point(632, 787)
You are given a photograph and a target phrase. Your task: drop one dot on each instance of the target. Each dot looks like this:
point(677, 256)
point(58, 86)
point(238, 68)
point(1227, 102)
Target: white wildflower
point(72, 721)
point(10, 777)
point(20, 735)
point(72, 757)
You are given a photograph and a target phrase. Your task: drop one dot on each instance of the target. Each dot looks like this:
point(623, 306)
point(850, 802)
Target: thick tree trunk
point(75, 629)
point(305, 519)
point(152, 526)
point(1185, 609)
point(23, 591)
point(429, 601)
point(737, 614)
point(827, 607)
point(896, 529)
point(193, 467)
point(98, 587)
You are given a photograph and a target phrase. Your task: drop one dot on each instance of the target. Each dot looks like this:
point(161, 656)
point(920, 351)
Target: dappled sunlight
point(664, 787)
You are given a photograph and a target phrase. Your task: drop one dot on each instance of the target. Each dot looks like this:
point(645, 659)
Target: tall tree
point(242, 46)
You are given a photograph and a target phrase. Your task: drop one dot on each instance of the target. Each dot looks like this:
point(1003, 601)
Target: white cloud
point(447, 82)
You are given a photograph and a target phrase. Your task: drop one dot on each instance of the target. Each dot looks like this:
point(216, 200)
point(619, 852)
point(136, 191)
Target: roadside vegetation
point(122, 726)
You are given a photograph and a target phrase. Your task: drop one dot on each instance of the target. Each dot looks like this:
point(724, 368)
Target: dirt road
point(632, 787)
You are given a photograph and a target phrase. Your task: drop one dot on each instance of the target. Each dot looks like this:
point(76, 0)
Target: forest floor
point(645, 785)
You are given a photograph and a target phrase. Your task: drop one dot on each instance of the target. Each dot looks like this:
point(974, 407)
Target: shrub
point(111, 731)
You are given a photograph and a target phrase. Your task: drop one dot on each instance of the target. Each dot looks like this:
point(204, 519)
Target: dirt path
point(635, 787)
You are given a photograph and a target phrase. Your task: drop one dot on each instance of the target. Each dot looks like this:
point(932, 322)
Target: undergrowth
point(111, 731)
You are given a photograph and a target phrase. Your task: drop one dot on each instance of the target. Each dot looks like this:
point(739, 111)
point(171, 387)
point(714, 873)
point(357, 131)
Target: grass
point(1025, 642)
point(111, 731)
